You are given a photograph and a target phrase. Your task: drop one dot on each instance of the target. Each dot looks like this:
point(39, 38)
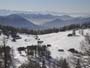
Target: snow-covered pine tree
point(65, 64)
point(78, 65)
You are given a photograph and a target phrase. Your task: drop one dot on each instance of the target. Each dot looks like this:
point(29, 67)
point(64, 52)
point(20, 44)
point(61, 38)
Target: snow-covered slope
point(62, 41)
point(57, 40)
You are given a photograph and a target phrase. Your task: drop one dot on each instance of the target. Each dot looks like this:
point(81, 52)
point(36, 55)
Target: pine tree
point(74, 32)
point(64, 64)
point(78, 64)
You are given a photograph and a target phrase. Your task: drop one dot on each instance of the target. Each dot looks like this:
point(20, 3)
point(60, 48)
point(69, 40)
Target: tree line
point(44, 31)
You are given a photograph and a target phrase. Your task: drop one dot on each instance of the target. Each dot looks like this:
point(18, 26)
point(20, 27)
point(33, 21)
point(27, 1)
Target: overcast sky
point(70, 6)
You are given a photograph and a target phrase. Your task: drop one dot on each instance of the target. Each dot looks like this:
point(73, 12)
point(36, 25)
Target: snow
point(58, 40)
point(61, 41)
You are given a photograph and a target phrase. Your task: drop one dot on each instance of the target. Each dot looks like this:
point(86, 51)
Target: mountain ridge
point(50, 21)
point(17, 21)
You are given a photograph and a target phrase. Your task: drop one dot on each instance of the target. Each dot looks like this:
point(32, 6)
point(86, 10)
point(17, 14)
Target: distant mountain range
point(17, 21)
point(39, 21)
point(60, 23)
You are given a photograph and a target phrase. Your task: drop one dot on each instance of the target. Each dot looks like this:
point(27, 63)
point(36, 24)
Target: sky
point(69, 6)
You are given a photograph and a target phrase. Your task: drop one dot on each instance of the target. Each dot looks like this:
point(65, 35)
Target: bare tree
point(85, 44)
point(5, 56)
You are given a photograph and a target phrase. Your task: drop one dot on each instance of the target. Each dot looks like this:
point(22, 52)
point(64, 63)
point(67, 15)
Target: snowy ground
point(58, 40)
point(62, 41)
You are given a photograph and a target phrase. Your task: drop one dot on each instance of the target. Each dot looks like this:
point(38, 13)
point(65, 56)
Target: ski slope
point(62, 41)
point(58, 40)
